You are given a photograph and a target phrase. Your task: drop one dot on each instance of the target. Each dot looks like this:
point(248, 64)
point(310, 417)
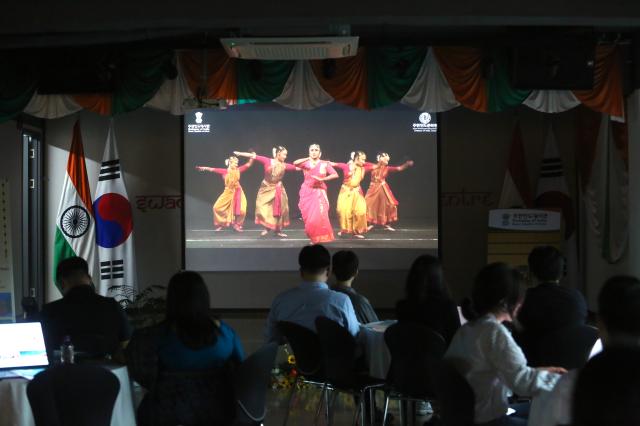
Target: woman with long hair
point(313, 202)
point(272, 203)
point(185, 362)
point(382, 206)
point(351, 206)
point(486, 354)
point(427, 299)
point(230, 208)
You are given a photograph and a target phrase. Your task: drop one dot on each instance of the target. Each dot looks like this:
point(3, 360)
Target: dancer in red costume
point(272, 203)
point(382, 206)
point(313, 203)
point(230, 208)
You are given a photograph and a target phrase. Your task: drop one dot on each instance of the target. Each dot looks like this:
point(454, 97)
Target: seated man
point(96, 325)
point(312, 298)
point(344, 266)
point(548, 306)
point(618, 325)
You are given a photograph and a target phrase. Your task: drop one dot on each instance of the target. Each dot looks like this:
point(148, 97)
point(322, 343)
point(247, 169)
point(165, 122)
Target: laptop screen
point(22, 345)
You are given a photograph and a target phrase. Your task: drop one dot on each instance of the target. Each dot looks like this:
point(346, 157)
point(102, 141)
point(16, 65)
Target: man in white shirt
point(312, 298)
point(618, 324)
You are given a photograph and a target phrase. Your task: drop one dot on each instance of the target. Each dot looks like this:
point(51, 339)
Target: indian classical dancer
point(313, 203)
point(351, 205)
point(230, 208)
point(272, 203)
point(382, 206)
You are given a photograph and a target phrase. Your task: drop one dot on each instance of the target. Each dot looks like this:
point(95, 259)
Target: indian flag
point(75, 231)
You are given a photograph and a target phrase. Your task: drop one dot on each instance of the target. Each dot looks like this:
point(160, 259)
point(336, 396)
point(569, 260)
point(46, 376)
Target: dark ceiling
point(45, 23)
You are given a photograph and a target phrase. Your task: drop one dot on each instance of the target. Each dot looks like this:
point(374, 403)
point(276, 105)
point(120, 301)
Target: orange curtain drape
point(98, 103)
point(212, 69)
point(462, 67)
point(606, 95)
point(348, 85)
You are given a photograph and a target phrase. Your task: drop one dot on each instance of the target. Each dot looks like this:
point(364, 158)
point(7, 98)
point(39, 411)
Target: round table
point(16, 411)
point(376, 352)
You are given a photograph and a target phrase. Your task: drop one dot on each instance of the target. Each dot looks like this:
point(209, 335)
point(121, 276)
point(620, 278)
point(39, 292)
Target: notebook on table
point(22, 350)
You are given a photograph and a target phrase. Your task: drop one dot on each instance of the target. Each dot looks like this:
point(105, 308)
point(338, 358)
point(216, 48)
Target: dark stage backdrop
point(211, 135)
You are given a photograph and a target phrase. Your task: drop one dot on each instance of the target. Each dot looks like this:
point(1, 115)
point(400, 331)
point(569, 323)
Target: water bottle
point(66, 351)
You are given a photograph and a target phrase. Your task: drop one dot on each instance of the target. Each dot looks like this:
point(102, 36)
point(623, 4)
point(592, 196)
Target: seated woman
point(185, 361)
point(487, 356)
point(427, 299)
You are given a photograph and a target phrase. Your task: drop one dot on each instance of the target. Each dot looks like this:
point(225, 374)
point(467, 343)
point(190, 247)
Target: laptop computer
point(22, 350)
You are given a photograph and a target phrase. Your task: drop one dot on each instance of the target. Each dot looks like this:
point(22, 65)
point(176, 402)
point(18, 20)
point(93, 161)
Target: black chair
point(339, 358)
point(306, 348)
point(455, 396)
point(416, 352)
point(73, 394)
point(250, 382)
point(567, 347)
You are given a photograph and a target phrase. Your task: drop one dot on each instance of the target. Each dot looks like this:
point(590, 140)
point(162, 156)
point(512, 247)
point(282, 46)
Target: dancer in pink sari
point(313, 203)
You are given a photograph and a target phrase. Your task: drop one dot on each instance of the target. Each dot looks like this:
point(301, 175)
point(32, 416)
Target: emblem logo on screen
point(199, 127)
point(425, 125)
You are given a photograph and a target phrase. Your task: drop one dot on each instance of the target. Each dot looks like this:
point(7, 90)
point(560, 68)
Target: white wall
point(11, 169)
point(149, 148)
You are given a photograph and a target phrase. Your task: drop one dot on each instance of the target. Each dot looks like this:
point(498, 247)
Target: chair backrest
point(75, 394)
point(416, 352)
point(455, 395)
point(251, 381)
point(338, 352)
point(305, 345)
point(567, 347)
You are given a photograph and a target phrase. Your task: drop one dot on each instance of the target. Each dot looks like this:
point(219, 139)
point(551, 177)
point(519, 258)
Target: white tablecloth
point(376, 353)
point(16, 411)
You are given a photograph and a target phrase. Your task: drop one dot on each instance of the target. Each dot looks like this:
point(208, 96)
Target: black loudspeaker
point(553, 67)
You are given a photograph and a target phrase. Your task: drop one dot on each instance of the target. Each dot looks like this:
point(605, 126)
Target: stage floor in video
point(406, 235)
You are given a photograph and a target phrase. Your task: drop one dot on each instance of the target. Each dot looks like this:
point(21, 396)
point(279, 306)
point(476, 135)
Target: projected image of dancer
point(351, 205)
point(382, 206)
point(313, 203)
point(272, 203)
point(230, 208)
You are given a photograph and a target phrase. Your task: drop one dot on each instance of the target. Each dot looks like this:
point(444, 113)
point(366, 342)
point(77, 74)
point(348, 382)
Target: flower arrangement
point(285, 374)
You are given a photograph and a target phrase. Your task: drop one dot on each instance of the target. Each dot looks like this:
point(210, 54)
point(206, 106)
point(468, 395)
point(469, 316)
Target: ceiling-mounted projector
point(290, 48)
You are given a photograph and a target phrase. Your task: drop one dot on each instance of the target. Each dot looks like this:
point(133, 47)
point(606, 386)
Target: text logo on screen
point(425, 125)
point(199, 127)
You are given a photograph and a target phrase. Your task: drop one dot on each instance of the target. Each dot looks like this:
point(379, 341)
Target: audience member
point(97, 325)
point(549, 306)
point(184, 362)
point(344, 266)
point(312, 298)
point(427, 298)
point(607, 390)
point(618, 325)
point(487, 356)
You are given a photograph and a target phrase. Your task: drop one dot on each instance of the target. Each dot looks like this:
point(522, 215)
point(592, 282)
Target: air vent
point(290, 48)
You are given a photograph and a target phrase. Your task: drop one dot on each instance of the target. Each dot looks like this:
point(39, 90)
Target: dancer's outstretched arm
point(300, 161)
point(211, 169)
point(246, 165)
point(245, 154)
point(401, 167)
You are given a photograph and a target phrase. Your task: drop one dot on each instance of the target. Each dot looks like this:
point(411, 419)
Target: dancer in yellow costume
point(351, 205)
point(230, 208)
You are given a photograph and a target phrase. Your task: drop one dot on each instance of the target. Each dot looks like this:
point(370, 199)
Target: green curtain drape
point(261, 81)
point(390, 73)
point(501, 95)
point(142, 74)
point(18, 82)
